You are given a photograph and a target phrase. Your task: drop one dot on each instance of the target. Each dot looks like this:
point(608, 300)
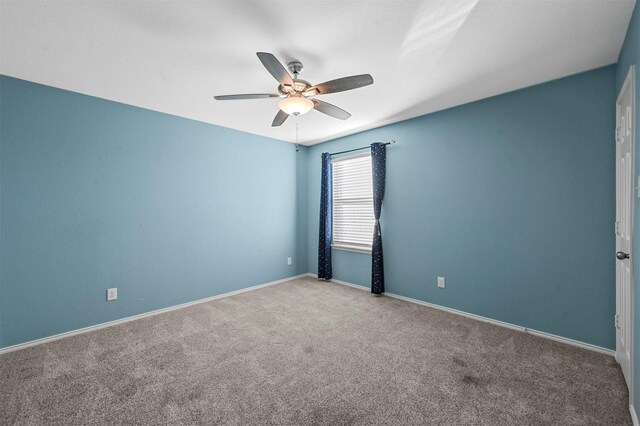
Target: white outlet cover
point(112, 294)
point(441, 282)
point(288, 261)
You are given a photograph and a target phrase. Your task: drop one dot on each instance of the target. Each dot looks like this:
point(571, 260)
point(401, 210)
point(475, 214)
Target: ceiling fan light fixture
point(295, 93)
point(295, 104)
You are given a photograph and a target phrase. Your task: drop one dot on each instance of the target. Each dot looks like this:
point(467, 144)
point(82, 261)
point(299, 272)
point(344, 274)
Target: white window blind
point(352, 203)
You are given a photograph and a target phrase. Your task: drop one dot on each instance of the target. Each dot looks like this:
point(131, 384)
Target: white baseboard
point(634, 416)
point(360, 287)
point(139, 316)
point(489, 320)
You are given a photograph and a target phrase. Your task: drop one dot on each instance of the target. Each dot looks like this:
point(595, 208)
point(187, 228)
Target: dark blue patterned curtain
point(326, 232)
point(378, 166)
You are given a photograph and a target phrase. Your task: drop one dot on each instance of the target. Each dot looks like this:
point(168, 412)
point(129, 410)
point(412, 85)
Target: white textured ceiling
point(424, 56)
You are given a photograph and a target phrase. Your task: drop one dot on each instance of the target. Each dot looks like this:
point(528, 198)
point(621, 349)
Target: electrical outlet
point(441, 282)
point(289, 261)
point(112, 294)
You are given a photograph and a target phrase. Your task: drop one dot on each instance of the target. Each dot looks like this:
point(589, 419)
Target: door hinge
point(617, 321)
point(617, 227)
point(618, 138)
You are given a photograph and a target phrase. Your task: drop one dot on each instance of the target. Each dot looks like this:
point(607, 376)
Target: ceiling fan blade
point(246, 96)
point(275, 68)
point(340, 85)
point(280, 117)
point(330, 109)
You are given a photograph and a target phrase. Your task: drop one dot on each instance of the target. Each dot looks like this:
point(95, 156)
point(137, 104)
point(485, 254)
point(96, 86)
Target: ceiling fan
point(297, 96)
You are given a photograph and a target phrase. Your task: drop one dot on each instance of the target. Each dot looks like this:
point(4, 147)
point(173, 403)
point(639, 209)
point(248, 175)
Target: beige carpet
point(306, 352)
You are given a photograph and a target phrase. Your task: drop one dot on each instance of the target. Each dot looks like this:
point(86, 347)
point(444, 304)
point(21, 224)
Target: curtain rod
point(358, 149)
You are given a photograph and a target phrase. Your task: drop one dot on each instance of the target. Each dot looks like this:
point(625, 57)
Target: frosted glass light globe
point(295, 104)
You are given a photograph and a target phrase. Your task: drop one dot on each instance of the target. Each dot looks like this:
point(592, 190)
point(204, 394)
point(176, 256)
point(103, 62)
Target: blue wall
point(97, 194)
point(511, 198)
point(302, 244)
point(492, 195)
point(630, 55)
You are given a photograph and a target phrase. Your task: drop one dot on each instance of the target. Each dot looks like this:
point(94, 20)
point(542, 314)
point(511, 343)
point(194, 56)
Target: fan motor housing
point(298, 86)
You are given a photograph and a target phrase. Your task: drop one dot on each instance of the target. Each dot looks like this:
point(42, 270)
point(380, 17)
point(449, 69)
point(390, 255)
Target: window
point(352, 203)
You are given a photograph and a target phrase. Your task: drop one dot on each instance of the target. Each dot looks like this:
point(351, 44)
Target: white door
point(624, 221)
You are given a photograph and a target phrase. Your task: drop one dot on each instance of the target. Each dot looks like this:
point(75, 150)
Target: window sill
point(355, 249)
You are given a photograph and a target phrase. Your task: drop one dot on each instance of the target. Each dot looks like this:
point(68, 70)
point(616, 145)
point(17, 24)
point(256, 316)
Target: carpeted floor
point(306, 352)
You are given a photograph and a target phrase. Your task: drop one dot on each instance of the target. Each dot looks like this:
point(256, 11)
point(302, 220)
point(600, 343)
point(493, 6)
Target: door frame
point(629, 80)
